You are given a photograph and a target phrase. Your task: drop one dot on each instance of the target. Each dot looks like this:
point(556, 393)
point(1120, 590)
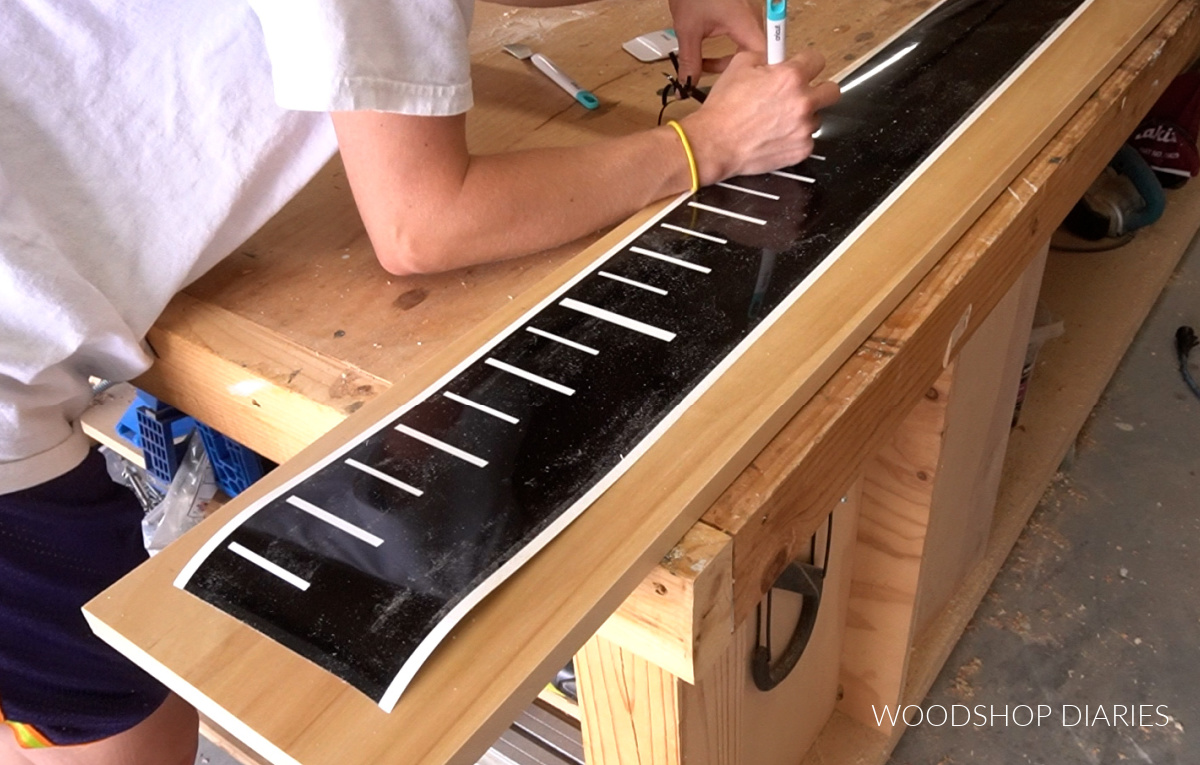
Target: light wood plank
point(778, 727)
point(928, 501)
point(247, 374)
point(234, 748)
point(845, 741)
point(712, 712)
point(632, 710)
point(1103, 298)
point(99, 422)
point(1034, 453)
point(552, 699)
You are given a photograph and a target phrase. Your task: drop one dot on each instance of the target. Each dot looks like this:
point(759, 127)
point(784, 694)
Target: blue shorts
point(61, 543)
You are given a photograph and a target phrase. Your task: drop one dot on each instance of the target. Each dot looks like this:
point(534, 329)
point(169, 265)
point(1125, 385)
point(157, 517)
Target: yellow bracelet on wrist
point(691, 157)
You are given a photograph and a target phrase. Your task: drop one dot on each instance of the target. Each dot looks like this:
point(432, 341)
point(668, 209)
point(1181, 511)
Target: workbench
point(300, 327)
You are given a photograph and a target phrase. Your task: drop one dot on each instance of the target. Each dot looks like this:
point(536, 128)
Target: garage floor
point(1097, 610)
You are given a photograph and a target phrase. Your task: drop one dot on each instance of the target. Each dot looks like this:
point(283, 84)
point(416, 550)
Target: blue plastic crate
point(162, 429)
point(234, 466)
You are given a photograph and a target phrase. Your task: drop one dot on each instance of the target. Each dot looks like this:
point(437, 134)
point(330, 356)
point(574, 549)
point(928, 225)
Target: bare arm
point(429, 205)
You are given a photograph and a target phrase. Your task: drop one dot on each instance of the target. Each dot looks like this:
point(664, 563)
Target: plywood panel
point(978, 420)
point(1034, 453)
point(817, 454)
point(1104, 298)
point(635, 713)
point(898, 487)
point(928, 502)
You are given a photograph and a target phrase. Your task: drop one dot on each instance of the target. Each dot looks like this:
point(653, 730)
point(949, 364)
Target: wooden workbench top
point(301, 326)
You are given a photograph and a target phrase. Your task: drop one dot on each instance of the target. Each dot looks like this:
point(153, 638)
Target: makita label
point(1159, 133)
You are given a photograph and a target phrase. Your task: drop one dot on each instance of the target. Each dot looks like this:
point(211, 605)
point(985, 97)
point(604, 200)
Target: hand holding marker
point(776, 31)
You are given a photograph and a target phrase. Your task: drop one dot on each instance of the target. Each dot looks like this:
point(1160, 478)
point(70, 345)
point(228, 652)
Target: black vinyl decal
point(363, 564)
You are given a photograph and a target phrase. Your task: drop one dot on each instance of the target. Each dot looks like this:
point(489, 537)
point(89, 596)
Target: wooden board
point(897, 492)
point(680, 617)
point(608, 566)
point(777, 727)
point(1103, 299)
point(1069, 380)
point(927, 507)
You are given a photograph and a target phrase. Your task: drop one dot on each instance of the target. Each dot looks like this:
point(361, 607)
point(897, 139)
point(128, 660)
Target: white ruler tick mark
point(340, 524)
point(689, 232)
point(269, 567)
point(413, 490)
point(672, 260)
point(531, 377)
point(744, 190)
point(453, 451)
point(485, 409)
point(633, 283)
point(793, 176)
point(727, 213)
point(562, 340)
point(618, 319)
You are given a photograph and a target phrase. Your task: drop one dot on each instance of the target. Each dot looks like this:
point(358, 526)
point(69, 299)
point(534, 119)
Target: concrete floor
point(1098, 605)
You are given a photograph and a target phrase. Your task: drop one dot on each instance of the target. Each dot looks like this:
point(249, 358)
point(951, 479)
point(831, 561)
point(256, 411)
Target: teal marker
point(776, 31)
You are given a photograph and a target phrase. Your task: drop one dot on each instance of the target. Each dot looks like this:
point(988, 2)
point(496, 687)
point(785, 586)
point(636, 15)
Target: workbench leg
point(629, 708)
point(897, 494)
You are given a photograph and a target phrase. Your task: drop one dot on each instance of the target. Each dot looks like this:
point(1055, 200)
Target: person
point(140, 144)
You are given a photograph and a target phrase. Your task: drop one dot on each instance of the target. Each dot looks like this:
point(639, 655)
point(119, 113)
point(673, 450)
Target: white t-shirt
point(140, 144)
